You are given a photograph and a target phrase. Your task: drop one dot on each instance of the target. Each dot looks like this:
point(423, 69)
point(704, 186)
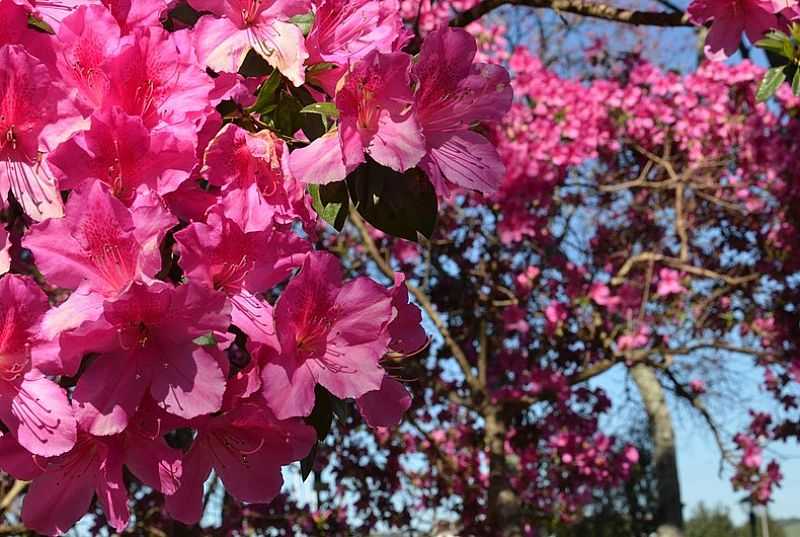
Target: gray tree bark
point(669, 510)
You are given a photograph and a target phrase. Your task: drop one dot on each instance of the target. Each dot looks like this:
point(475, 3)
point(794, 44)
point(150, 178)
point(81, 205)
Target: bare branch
point(583, 8)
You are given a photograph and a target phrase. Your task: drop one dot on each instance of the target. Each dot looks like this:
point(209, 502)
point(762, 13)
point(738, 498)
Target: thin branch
point(422, 299)
point(695, 401)
point(580, 7)
point(648, 257)
point(12, 494)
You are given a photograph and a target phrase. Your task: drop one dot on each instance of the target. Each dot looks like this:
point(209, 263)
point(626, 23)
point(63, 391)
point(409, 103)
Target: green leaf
point(400, 204)
point(320, 67)
point(40, 25)
point(322, 415)
point(770, 83)
point(254, 65)
point(778, 43)
point(207, 340)
point(331, 202)
point(341, 409)
point(267, 99)
point(287, 116)
point(304, 21)
point(327, 110)
point(796, 83)
point(307, 464)
point(794, 29)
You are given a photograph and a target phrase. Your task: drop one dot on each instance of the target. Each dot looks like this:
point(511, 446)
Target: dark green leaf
point(322, 415)
point(796, 83)
point(304, 21)
point(267, 94)
point(331, 202)
point(341, 409)
point(770, 83)
point(39, 25)
point(254, 65)
point(287, 115)
point(400, 204)
point(328, 110)
point(307, 464)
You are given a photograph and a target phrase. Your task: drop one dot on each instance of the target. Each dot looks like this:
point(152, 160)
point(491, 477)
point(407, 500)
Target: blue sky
point(699, 458)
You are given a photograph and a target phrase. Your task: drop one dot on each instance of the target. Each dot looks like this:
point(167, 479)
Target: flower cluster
point(153, 187)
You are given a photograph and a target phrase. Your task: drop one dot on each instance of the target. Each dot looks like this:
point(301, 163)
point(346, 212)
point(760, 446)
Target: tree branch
point(422, 299)
point(580, 7)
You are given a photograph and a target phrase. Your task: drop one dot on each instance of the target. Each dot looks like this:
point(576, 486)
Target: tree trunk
point(504, 504)
point(669, 511)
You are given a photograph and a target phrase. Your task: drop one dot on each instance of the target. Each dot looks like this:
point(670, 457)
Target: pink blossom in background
point(669, 282)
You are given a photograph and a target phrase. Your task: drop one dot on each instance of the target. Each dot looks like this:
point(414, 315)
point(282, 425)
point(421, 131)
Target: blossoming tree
point(176, 305)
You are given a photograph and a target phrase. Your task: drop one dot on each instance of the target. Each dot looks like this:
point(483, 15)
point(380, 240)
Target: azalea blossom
point(449, 101)
point(374, 101)
point(224, 39)
point(328, 333)
point(29, 100)
point(246, 446)
point(34, 408)
point(731, 18)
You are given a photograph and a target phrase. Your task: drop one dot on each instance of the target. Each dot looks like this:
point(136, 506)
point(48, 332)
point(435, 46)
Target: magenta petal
point(112, 493)
point(465, 159)
point(319, 163)
point(254, 318)
point(155, 463)
point(42, 417)
point(55, 501)
point(397, 144)
point(192, 384)
point(16, 460)
point(288, 397)
point(384, 407)
point(186, 505)
point(109, 392)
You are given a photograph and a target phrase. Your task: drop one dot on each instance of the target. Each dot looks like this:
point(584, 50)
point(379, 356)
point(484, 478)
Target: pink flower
point(246, 446)
point(408, 336)
point(88, 39)
point(17, 32)
point(635, 340)
point(453, 94)
point(374, 101)
point(34, 408)
point(62, 494)
point(697, 386)
point(601, 294)
point(219, 255)
point(328, 333)
point(100, 242)
point(145, 342)
point(223, 40)
point(122, 153)
point(155, 76)
point(669, 282)
point(345, 31)
point(731, 18)
point(252, 169)
point(29, 100)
